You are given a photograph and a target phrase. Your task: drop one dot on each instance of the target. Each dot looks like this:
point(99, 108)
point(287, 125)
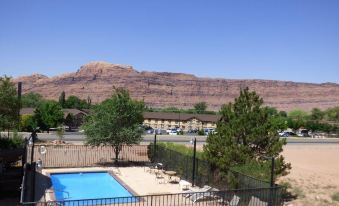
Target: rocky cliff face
point(163, 89)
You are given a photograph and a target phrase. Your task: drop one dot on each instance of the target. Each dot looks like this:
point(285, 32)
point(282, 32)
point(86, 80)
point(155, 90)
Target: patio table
point(170, 174)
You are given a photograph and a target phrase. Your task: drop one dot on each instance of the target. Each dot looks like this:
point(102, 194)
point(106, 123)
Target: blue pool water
point(89, 185)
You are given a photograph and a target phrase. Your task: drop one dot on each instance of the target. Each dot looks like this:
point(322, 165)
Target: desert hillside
point(163, 89)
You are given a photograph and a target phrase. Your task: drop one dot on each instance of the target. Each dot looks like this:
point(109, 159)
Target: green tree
point(298, 115)
point(332, 114)
point(283, 114)
point(31, 99)
point(75, 102)
point(200, 107)
point(62, 99)
point(115, 122)
point(60, 133)
point(69, 121)
point(297, 118)
point(317, 114)
point(27, 123)
point(9, 104)
point(246, 132)
point(48, 114)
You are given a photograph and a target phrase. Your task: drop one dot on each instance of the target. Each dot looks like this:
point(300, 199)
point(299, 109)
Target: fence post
point(24, 156)
point(193, 169)
point(155, 147)
point(272, 172)
point(272, 196)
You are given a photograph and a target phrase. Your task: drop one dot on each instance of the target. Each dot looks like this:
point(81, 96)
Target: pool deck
point(136, 178)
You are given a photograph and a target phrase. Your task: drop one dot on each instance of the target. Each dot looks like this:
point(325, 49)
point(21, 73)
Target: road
point(182, 139)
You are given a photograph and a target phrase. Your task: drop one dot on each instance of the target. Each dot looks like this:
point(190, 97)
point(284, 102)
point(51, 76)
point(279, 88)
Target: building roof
point(74, 112)
point(30, 111)
point(181, 116)
point(147, 115)
point(27, 110)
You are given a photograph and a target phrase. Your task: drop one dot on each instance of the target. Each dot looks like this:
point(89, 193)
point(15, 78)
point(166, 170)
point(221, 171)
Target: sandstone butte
point(164, 89)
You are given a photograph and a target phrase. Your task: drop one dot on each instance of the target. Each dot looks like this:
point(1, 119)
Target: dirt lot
point(315, 173)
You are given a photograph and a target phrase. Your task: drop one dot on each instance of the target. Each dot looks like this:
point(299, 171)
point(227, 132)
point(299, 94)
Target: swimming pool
point(89, 185)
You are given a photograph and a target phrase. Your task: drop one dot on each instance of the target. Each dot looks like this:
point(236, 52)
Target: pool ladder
point(58, 191)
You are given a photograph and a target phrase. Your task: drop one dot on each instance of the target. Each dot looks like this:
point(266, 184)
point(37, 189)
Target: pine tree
point(245, 133)
point(62, 99)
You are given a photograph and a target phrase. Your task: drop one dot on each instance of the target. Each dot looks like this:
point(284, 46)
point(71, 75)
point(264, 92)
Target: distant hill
point(164, 89)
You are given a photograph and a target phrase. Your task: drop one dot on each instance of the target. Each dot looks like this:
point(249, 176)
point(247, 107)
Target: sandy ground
point(315, 173)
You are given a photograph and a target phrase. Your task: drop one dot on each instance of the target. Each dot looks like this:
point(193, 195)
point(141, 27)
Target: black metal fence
point(204, 173)
point(244, 191)
point(53, 156)
point(242, 197)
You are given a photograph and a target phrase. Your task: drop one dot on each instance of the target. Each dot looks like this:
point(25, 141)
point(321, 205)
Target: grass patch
point(298, 192)
point(335, 196)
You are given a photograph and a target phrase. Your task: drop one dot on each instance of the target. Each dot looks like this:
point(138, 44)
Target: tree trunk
point(116, 151)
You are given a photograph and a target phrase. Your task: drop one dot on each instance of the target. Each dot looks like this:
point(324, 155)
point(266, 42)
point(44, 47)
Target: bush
point(27, 123)
point(14, 142)
point(179, 148)
point(261, 171)
point(335, 196)
point(201, 132)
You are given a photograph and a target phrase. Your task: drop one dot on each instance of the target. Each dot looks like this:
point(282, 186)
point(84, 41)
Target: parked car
point(208, 131)
point(287, 134)
point(303, 133)
point(150, 131)
point(173, 132)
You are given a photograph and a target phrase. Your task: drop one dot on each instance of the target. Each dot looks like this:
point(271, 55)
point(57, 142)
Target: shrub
point(14, 142)
point(201, 132)
point(335, 196)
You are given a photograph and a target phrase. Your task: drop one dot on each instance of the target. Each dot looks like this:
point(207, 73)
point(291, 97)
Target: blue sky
point(295, 40)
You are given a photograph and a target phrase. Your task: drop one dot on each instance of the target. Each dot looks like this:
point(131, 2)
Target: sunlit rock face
point(163, 89)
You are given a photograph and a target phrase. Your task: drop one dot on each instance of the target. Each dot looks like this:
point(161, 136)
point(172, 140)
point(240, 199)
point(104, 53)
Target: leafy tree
point(31, 99)
point(115, 122)
point(283, 114)
point(62, 99)
point(246, 132)
point(297, 118)
point(9, 104)
point(75, 102)
point(48, 114)
point(317, 114)
point(200, 107)
point(298, 115)
point(27, 123)
point(332, 114)
point(60, 133)
point(69, 121)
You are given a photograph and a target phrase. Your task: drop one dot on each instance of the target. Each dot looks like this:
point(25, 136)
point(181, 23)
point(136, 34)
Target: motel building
point(164, 120)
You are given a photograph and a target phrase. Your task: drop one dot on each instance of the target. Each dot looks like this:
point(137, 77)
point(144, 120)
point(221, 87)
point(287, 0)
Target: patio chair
point(191, 191)
point(234, 201)
point(149, 167)
point(256, 202)
point(210, 195)
point(159, 176)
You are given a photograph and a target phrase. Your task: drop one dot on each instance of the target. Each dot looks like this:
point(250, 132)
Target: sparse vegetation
point(335, 196)
point(298, 192)
point(16, 141)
